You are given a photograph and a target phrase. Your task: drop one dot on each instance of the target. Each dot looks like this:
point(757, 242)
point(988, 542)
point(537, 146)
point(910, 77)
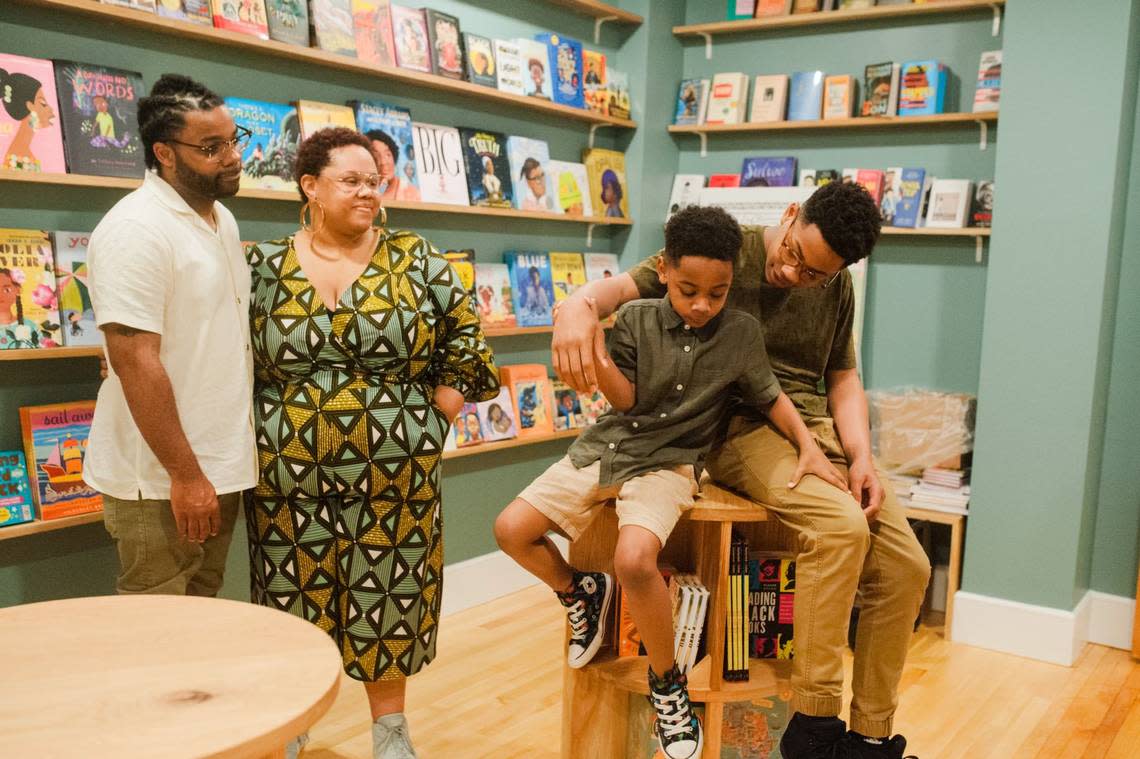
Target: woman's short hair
point(316, 150)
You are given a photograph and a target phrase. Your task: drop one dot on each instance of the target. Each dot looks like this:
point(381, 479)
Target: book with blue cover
point(909, 207)
point(532, 287)
point(268, 159)
point(16, 505)
point(805, 99)
point(768, 172)
point(923, 88)
point(691, 97)
point(389, 128)
point(488, 170)
point(565, 68)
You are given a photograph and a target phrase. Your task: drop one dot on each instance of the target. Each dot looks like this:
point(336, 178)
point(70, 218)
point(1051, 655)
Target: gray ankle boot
point(391, 739)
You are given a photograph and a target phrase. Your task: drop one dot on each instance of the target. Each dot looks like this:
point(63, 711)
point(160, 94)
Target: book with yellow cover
point(316, 116)
point(608, 189)
point(567, 272)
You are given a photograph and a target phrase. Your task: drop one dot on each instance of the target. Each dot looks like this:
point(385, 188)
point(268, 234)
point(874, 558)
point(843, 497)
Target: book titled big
point(439, 163)
point(99, 110)
point(55, 443)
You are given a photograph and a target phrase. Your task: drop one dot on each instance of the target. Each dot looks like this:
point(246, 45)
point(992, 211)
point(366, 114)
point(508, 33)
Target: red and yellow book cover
point(532, 396)
point(243, 16)
point(55, 443)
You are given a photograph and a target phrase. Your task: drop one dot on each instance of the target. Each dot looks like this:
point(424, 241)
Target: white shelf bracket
point(983, 139)
point(594, 131)
point(708, 45)
point(704, 144)
point(977, 249)
point(590, 235)
point(598, 27)
point(996, 28)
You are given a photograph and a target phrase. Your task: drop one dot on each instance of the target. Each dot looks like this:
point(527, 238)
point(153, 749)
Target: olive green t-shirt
point(808, 331)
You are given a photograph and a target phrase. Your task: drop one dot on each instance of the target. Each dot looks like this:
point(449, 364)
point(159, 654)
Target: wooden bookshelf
point(38, 526)
point(502, 445)
point(627, 673)
point(321, 59)
point(120, 183)
point(598, 10)
point(864, 122)
point(937, 231)
point(829, 18)
point(39, 354)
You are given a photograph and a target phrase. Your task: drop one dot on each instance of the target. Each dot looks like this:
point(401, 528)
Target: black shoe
point(815, 738)
point(677, 728)
point(886, 748)
point(586, 608)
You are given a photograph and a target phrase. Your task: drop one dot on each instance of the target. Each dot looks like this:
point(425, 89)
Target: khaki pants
point(153, 559)
point(839, 554)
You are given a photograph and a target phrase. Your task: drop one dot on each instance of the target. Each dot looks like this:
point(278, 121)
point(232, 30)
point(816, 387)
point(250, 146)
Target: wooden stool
point(957, 523)
point(595, 699)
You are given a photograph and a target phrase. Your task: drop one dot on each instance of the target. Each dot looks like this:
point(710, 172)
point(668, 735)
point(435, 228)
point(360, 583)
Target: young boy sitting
point(674, 364)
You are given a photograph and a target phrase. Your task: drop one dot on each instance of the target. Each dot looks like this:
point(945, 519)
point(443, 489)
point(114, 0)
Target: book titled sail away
point(55, 443)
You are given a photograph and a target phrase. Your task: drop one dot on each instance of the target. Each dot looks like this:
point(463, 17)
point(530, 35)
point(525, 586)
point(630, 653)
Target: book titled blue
point(532, 287)
point(805, 98)
point(565, 68)
point(16, 505)
point(910, 200)
point(768, 172)
point(922, 89)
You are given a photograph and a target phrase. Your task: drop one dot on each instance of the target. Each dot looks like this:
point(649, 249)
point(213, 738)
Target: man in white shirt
point(171, 445)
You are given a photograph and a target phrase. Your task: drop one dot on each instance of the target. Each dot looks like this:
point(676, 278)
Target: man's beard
point(214, 187)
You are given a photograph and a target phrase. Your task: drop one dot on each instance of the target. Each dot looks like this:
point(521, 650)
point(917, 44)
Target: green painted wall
point(81, 560)
point(1050, 301)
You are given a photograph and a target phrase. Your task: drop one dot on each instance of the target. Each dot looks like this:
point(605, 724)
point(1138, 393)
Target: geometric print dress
point(344, 525)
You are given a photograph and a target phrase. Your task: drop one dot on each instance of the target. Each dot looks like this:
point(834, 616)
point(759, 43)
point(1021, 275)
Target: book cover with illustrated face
point(288, 21)
point(568, 414)
point(333, 29)
point(480, 60)
point(601, 266)
point(594, 92)
point(536, 69)
point(488, 168)
point(466, 427)
point(608, 189)
point(529, 159)
point(564, 57)
point(316, 116)
point(531, 397)
point(242, 16)
point(55, 444)
point(389, 130)
point(493, 295)
point(29, 309)
point(76, 313)
point(413, 48)
point(99, 114)
point(532, 287)
point(496, 417)
point(275, 134)
point(571, 187)
point(446, 44)
point(372, 20)
point(31, 137)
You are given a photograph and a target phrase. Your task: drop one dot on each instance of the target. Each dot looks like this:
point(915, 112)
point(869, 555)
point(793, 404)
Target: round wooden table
point(159, 676)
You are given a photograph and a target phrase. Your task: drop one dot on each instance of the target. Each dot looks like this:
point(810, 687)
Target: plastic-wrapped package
point(912, 428)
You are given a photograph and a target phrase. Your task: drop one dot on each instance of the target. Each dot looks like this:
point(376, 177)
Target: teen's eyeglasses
point(216, 151)
point(813, 277)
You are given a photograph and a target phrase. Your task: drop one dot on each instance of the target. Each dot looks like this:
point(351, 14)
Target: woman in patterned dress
point(365, 348)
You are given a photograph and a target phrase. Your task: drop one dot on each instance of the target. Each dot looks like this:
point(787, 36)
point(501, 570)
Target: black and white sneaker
point(678, 729)
point(586, 608)
point(861, 747)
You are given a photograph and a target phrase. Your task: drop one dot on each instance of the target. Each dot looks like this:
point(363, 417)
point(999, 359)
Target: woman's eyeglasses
point(352, 182)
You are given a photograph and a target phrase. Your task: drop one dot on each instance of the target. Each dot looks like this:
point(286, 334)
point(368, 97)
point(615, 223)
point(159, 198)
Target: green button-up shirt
point(685, 379)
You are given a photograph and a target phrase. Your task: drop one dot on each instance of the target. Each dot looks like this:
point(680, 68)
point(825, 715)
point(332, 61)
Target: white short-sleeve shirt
point(154, 264)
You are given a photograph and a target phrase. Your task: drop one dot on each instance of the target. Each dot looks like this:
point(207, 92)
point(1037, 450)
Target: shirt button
point(663, 415)
point(611, 446)
point(688, 348)
point(687, 328)
point(680, 387)
point(635, 425)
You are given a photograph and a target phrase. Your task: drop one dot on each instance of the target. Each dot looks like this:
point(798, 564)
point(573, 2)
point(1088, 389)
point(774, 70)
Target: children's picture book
point(772, 8)
point(923, 88)
point(76, 313)
point(805, 97)
point(949, 203)
point(333, 30)
point(593, 406)
point(532, 288)
point(807, 178)
point(617, 88)
point(537, 81)
point(727, 98)
point(197, 11)
point(881, 89)
point(480, 60)
point(439, 163)
point(608, 189)
point(316, 116)
point(768, 172)
point(772, 588)
point(413, 48)
point(496, 417)
point(446, 44)
point(601, 266)
point(241, 16)
point(531, 397)
point(738, 9)
point(509, 67)
point(29, 311)
point(275, 134)
point(463, 262)
point(686, 192)
point(31, 138)
point(532, 187)
point(724, 180)
point(892, 194)
point(692, 100)
point(488, 168)
point(911, 192)
point(55, 444)
point(987, 91)
point(389, 129)
point(871, 180)
point(372, 21)
point(568, 413)
point(565, 65)
point(594, 91)
point(16, 503)
point(466, 427)
point(982, 210)
point(567, 273)
point(571, 187)
point(769, 98)
point(99, 114)
point(493, 295)
point(838, 96)
point(288, 21)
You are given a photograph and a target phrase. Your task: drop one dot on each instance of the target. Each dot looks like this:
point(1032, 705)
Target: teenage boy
point(851, 539)
point(673, 364)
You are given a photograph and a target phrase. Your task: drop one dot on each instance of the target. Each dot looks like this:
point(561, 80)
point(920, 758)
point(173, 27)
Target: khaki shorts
point(571, 498)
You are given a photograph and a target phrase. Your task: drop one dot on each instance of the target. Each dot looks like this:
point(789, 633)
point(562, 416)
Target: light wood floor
point(494, 692)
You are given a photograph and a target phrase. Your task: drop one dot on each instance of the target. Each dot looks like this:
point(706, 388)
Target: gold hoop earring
point(305, 225)
point(308, 227)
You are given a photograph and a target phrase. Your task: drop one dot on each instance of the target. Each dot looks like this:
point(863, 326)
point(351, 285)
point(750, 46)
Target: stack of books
point(942, 489)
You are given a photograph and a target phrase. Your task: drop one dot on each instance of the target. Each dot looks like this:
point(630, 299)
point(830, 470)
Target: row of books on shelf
point(44, 301)
point(913, 88)
point(940, 488)
point(689, 601)
point(743, 9)
point(907, 197)
point(548, 66)
point(96, 133)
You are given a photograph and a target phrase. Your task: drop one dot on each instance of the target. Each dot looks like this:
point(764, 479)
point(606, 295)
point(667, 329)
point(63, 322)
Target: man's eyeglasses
point(813, 277)
point(352, 182)
point(215, 151)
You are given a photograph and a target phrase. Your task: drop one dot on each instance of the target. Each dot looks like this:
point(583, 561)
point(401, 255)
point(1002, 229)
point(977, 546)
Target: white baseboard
point(1110, 619)
point(485, 578)
point(1036, 632)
